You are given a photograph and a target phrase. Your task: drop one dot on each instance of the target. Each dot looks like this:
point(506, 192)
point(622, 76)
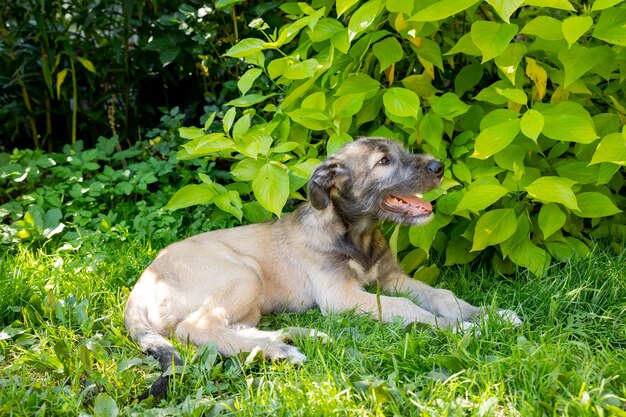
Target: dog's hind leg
point(203, 326)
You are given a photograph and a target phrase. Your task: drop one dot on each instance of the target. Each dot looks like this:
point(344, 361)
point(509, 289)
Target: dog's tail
point(141, 330)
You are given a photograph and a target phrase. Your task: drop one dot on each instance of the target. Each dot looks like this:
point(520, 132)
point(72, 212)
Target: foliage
point(63, 350)
point(522, 103)
point(81, 69)
point(94, 195)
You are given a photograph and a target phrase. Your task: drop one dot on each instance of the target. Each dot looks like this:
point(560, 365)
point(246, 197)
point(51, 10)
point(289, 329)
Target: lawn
point(64, 350)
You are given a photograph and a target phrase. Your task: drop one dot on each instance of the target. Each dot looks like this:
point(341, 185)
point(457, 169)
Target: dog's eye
point(384, 161)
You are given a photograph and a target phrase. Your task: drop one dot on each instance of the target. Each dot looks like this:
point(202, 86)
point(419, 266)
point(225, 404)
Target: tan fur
point(216, 286)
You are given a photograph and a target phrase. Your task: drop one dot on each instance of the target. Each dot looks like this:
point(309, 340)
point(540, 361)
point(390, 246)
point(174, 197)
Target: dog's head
point(376, 179)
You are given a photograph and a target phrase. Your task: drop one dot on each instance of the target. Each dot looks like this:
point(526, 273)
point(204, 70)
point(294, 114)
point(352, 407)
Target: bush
point(84, 197)
point(522, 103)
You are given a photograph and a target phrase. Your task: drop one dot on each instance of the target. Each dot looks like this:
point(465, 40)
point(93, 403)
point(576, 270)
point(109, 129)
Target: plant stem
point(26, 98)
point(74, 100)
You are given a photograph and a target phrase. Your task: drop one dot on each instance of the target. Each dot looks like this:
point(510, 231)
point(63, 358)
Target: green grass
point(64, 350)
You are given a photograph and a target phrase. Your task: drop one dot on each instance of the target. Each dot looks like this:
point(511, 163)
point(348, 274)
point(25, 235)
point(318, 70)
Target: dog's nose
point(436, 168)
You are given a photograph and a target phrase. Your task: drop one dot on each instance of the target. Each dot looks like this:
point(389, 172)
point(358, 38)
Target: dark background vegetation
point(124, 62)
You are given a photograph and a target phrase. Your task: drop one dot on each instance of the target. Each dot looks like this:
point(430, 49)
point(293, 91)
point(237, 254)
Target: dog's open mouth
point(407, 204)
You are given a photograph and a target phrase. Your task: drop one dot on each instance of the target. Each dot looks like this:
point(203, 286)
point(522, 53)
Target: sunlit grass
point(64, 350)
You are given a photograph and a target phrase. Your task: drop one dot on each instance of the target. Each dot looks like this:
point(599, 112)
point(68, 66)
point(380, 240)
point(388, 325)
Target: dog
point(216, 286)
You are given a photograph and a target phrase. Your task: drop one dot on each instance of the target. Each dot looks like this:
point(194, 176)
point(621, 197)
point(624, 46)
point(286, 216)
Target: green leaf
point(363, 17)
point(168, 55)
point(509, 60)
point(521, 233)
point(465, 45)
point(271, 187)
point(285, 147)
point(427, 274)
point(515, 95)
point(594, 205)
point(553, 190)
point(604, 4)
point(545, 27)
point(247, 79)
point(313, 119)
point(256, 142)
point(505, 8)
point(574, 27)
point(250, 100)
point(458, 252)
point(191, 195)
point(551, 218)
point(241, 126)
point(402, 6)
point(579, 171)
point(276, 67)
point(495, 138)
point(555, 4)
point(342, 6)
point(612, 148)
point(191, 132)
point(388, 51)
point(359, 84)
point(230, 202)
point(10, 332)
point(105, 406)
point(530, 256)
point(246, 169)
point(228, 119)
point(288, 32)
point(60, 78)
point(87, 64)
point(401, 102)
point(255, 213)
point(531, 124)
point(127, 364)
point(301, 70)
point(610, 27)
point(335, 142)
point(492, 38)
point(442, 9)
point(467, 78)
point(480, 197)
point(577, 61)
point(424, 236)
point(431, 129)
point(220, 4)
point(569, 122)
point(246, 47)
point(348, 105)
point(341, 41)
point(413, 259)
point(315, 101)
point(448, 106)
point(493, 227)
point(429, 51)
point(325, 29)
point(206, 145)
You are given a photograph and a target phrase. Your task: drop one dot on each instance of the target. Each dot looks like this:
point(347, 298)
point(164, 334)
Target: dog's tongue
point(410, 204)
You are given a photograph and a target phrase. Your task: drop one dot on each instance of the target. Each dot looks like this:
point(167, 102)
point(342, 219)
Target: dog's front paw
point(510, 316)
point(456, 326)
point(283, 351)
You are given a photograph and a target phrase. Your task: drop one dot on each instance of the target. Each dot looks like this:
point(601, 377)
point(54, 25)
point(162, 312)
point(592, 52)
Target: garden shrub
point(522, 100)
point(83, 197)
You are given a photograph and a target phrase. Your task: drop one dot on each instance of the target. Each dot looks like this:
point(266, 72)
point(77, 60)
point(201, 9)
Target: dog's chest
point(363, 275)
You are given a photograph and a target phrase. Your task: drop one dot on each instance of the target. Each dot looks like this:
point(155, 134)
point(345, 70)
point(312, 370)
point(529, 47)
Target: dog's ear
point(326, 177)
